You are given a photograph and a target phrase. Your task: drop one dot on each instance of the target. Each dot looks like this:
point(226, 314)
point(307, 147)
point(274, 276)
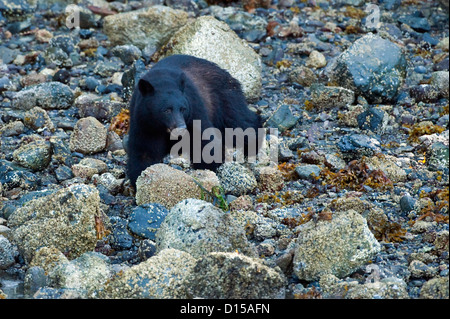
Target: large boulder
point(198, 227)
point(159, 277)
point(48, 95)
point(147, 27)
point(234, 276)
point(65, 220)
point(373, 67)
point(213, 40)
point(168, 186)
point(338, 247)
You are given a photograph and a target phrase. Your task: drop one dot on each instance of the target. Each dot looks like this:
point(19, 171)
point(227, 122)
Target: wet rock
point(16, 9)
point(88, 136)
point(49, 95)
point(204, 38)
point(337, 247)
point(407, 203)
point(373, 119)
point(373, 67)
point(236, 179)
point(283, 118)
point(198, 227)
point(152, 26)
point(58, 57)
point(326, 97)
point(127, 53)
point(35, 278)
point(308, 171)
point(12, 129)
point(416, 21)
point(440, 81)
point(37, 118)
point(165, 185)
point(303, 76)
point(131, 76)
point(424, 93)
point(7, 253)
point(108, 68)
point(234, 276)
point(146, 219)
point(160, 276)
point(64, 220)
point(35, 155)
point(358, 145)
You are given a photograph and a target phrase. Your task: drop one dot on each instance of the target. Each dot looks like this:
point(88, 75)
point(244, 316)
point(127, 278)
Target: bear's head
point(163, 105)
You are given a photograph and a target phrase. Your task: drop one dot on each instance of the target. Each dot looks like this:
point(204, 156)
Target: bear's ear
point(145, 87)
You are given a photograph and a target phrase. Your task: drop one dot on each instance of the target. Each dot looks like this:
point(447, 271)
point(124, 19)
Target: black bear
point(174, 93)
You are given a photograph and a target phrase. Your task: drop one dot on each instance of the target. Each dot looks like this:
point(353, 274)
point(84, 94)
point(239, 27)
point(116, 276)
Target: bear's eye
point(182, 109)
point(169, 110)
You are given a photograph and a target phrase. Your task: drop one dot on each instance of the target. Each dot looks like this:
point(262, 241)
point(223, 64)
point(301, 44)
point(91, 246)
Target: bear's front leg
point(144, 153)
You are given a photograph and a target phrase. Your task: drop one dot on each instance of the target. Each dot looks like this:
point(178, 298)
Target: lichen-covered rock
point(167, 186)
point(7, 253)
point(86, 274)
point(388, 165)
point(337, 247)
point(88, 136)
point(64, 220)
point(145, 220)
point(386, 288)
point(37, 118)
point(87, 167)
point(270, 179)
point(234, 276)
point(326, 97)
point(373, 67)
point(49, 95)
point(159, 277)
point(205, 38)
point(198, 227)
point(148, 27)
point(436, 288)
point(236, 179)
point(35, 155)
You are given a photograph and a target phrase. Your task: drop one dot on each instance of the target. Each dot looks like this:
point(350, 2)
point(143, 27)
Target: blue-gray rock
point(282, 118)
point(16, 9)
point(372, 119)
point(35, 278)
point(120, 238)
point(7, 55)
point(418, 23)
point(7, 253)
point(407, 203)
point(49, 95)
point(358, 145)
point(438, 158)
point(132, 76)
point(127, 53)
point(146, 219)
point(373, 67)
point(308, 171)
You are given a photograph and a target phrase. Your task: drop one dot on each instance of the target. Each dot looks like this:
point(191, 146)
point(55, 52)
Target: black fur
point(176, 91)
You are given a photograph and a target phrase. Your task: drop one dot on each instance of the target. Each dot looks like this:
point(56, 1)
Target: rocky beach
point(355, 206)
